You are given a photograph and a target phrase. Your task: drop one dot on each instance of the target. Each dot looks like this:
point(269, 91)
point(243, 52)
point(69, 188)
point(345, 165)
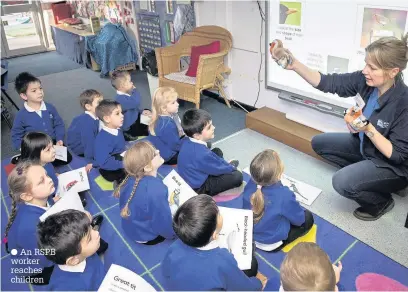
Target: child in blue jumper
point(203, 169)
point(110, 143)
point(165, 126)
point(36, 115)
point(195, 261)
point(279, 219)
point(84, 128)
point(77, 266)
point(30, 188)
point(129, 98)
point(38, 148)
point(145, 210)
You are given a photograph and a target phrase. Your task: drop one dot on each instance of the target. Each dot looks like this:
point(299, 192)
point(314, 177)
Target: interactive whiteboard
point(329, 36)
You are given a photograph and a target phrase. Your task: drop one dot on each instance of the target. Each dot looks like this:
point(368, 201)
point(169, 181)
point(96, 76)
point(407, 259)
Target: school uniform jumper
point(150, 214)
point(205, 171)
point(109, 144)
point(86, 276)
point(23, 237)
point(81, 135)
point(131, 110)
point(207, 268)
point(167, 137)
point(281, 214)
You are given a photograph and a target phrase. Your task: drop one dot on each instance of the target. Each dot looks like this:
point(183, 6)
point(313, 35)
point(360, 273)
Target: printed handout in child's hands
point(61, 153)
point(120, 279)
point(145, 119)
point(74, 180)
point(70, 200)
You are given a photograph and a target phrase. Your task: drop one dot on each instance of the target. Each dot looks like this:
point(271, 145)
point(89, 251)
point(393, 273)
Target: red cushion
point(196, 52)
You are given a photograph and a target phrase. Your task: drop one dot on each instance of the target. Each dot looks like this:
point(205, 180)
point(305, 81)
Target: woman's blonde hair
point(388, 53)
point(266, 169)
point(136, 159)
point(18, 184)
point(161, 97)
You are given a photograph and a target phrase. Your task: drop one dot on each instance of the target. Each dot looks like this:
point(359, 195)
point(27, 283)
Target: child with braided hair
point(145, 210)
point(30, 187)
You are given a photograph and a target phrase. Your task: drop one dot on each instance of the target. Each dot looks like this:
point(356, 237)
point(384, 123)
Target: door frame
point(35, 8)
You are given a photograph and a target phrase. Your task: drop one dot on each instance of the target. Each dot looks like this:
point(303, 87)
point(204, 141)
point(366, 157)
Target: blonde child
point(29, 187)
point(165, 126)
point(279, 219)
point(143, 198)
point(308, 268)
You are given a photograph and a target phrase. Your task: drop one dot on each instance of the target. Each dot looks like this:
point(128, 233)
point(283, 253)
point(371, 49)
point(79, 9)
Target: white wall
point(243, 20)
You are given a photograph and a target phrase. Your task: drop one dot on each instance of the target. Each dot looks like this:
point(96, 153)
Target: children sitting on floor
point(110, 143)
point(29, 187)
point(144, 205)
point(36, 115)
point(75, 243)
point(195, 261)
point(165, 126)
point(279, 219)
point(129, 98)
point(307, 267)
point(37, 147)
point(84, 128)
point(203, 169)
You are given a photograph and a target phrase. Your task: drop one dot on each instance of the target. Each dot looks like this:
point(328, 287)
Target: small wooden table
point(70, 42)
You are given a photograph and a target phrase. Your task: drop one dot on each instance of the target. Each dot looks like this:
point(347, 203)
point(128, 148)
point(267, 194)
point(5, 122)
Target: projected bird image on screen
point(378, 23)
point(290, 13)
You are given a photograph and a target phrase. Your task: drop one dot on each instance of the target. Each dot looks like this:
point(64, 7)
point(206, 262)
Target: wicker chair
point(210, 67)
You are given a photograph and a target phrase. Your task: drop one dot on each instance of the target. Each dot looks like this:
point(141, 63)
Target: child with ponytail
point(143, 198)
point(165, 126)
point(279, 219)
point(29, 187)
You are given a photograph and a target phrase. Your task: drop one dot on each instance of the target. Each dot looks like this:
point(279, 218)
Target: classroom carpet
point(363, 267)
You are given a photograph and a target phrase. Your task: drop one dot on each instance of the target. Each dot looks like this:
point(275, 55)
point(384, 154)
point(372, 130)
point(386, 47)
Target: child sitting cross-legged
point(195, 261)
point(279, 219)
point(205, 170)
point(129, 98)
point(165, 126)
point(110, 143)
point(74, 244)
point(36, 115)
point(143, 197)
point(84, 128)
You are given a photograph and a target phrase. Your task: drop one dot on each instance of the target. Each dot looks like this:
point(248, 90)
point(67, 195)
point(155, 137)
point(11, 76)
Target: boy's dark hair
point(105, 108)
point(194, 121)
point(88, 96)
point(118, 77)
point(22, 81)
point(196, 220)
point(32, 145)
point(62, 233)
point(307, 267)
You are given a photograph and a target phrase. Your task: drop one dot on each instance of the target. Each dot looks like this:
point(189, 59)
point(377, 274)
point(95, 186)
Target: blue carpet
point(357, 258)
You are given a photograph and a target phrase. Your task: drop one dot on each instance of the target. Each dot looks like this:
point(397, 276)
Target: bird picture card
point(61, 152)
point(75, 180)
point(70, 200)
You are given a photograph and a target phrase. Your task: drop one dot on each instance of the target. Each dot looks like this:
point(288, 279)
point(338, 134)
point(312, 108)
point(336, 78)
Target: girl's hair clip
point(5, 240)
point(19, 170)
point(258, 187)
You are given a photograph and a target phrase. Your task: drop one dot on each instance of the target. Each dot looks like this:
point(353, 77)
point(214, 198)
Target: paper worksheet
point(144, 119)
point(179, 190)
point(236, 235)
point(70, 200)
point(120, 279)
point(304, 192)
point(61, 153)
point(75, 180)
